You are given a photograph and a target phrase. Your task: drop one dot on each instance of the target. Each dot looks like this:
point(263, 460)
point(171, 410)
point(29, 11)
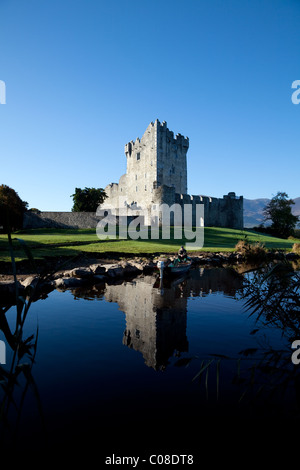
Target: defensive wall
point(60, 220)
point(218, 212)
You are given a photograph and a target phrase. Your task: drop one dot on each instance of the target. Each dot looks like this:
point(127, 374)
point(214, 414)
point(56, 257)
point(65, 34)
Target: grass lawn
point(70, 242)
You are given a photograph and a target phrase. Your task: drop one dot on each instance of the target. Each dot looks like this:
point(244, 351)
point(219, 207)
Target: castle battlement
point(163, 129)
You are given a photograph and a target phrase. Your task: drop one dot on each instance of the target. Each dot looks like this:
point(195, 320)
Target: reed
point(24, 349)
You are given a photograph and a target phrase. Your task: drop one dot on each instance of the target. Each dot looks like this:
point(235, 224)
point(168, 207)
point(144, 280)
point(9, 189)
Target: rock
point(291, 256)
point(57, 276)
point(82, 273)
point(99, 278)
point(69, 282)
point(129, 268)
point(216, 261)
point(149, 265)
point(114, 270)
point(66, 273)
point(138, 265)
point(97, 268)
point(31, 281)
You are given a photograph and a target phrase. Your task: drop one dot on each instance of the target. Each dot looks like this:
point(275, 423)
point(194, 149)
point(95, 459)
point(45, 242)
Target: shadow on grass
point(86, 241)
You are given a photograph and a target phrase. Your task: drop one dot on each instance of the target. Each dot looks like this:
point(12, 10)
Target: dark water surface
point(116, 370)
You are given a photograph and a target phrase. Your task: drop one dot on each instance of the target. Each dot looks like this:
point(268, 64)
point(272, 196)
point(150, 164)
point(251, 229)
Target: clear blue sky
point(85, 77)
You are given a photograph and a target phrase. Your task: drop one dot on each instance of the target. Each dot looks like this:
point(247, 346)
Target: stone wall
point(141, 167)
point(171, 158)
point(60, 220)
point(218, 212)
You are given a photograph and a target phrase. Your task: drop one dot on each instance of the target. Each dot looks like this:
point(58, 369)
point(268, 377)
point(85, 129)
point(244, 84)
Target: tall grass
point(264, 375)
point(24, 349)
point(296, 248)
point(251, 251)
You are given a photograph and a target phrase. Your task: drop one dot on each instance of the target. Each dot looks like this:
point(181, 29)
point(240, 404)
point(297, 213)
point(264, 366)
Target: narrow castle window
point(135, 177)
point(138, 156)
point(136, 188)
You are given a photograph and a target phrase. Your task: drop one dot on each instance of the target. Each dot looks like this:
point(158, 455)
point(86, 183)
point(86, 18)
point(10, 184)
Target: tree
point(12, 209)
point(87, 199)
point(279, 211)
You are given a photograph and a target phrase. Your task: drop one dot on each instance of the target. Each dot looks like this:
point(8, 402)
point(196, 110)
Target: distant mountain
point(253, 211)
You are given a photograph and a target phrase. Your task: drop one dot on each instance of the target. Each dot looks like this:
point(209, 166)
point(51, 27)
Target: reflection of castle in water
point(156, 318)
point(155, 323)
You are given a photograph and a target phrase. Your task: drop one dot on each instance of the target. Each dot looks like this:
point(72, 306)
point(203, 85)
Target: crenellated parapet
point(218, 212)
point(178, 139)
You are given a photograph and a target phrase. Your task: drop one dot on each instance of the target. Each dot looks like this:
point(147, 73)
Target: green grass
point(65, 242)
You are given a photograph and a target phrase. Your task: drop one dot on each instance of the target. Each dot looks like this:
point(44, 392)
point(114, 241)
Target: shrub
point(251, 251)
point(296, 248)
point(12, 209)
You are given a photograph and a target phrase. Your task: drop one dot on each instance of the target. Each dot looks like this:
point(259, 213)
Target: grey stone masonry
point(60, 220)
point(157, 174)
point(157, 159)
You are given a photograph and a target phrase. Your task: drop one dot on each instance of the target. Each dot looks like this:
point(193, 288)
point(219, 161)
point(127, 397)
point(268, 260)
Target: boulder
point(292, 256)
point(30, 281)
point(67, 273)
point(97, 268)
point(66, 282)
point(114, 270)
point(99, 278)
point(140, 265)
point(129, 268)
point(82, 273)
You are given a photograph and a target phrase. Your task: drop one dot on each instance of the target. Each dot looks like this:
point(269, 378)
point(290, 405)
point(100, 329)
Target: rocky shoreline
point(108, 271)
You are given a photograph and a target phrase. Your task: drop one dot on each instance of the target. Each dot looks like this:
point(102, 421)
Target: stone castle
point(157, 174)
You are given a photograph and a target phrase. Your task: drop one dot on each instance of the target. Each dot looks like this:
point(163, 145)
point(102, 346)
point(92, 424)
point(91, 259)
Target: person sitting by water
point(182, 255)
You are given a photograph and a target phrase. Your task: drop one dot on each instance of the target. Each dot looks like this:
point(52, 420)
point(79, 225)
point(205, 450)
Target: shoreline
point(86, 270)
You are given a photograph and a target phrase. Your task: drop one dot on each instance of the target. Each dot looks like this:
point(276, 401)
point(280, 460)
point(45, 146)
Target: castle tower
point(156, 175)
point(157, 159)
point(171, 159)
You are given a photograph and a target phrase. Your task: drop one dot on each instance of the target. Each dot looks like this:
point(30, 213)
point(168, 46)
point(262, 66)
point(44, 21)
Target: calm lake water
point(117, 367)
